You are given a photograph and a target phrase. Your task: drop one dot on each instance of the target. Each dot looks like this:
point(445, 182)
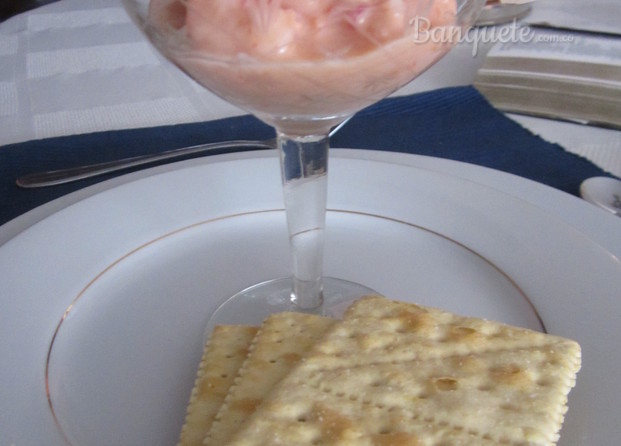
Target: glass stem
point(304, 165)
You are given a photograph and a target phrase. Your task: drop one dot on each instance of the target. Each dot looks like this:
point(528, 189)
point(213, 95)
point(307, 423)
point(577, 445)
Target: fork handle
point(54, 177)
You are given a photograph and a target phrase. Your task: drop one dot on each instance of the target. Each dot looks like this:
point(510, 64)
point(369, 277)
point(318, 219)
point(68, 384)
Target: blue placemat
point(455, 123)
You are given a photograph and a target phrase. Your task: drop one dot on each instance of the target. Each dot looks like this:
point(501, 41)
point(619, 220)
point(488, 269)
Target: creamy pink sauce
point(301, 60)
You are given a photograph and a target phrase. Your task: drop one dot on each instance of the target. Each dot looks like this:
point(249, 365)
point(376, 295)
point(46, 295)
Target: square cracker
point(224, 354)
point(281, 342)
point(393, 373)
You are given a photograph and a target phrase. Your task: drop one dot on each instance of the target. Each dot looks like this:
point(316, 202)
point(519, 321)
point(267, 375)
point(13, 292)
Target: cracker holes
point(462, 331)
point(508, 407)
point(485, 387)
point(498, 334)
point(446, 384)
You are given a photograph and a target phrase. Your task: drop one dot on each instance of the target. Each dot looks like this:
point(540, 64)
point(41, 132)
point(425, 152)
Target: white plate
point(107, 296)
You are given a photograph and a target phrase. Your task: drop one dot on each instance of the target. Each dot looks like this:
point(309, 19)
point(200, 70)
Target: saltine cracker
point(282, 341)
point(223, 355)
point(393, 373)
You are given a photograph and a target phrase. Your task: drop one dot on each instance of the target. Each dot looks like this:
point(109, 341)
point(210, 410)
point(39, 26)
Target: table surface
point(74, 67)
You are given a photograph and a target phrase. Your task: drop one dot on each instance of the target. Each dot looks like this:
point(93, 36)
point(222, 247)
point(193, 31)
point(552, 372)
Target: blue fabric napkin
point(455, 123)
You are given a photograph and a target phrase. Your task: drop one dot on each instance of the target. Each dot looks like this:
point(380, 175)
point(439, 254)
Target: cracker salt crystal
point(283, 339)
point(223, 355)
point(393, 373)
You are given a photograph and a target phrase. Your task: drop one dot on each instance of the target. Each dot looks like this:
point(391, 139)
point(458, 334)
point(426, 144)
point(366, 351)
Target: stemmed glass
point(303, 67)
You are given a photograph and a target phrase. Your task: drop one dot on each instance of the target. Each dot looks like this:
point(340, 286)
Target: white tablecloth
point(80, 66)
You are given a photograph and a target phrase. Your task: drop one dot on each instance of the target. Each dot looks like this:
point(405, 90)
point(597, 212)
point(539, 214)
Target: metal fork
point(62, 176)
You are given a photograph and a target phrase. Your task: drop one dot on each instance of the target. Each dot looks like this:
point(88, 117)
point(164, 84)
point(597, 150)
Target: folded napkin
point(455, 123)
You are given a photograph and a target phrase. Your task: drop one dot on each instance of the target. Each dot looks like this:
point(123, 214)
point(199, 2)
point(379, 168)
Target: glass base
point(252, 305)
